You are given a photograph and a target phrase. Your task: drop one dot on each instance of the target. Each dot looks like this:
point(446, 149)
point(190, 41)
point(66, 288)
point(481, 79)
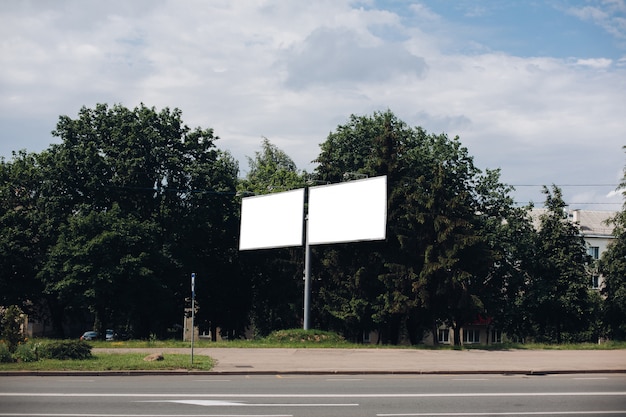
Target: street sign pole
point(193, 312)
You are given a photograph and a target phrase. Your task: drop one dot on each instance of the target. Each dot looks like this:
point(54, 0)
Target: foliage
point(432, 267)
point(612, 266)
point(557, 298)
point(270, 171)
point(304, 336)
point(109, 223)
point(27, 352)
point(11, 322)
point(65, 349)
point(5, 353)
point(103, 229)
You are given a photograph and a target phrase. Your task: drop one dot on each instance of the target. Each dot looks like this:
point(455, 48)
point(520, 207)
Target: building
point(597, 233)
point(594, 228)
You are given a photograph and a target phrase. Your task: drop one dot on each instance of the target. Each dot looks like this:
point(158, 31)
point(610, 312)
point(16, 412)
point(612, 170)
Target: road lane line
point(374, 395)
point(139, 415)
point(213, 403)
point(513, 413)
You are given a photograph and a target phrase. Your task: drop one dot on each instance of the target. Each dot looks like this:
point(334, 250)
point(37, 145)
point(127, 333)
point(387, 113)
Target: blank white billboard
point(349, 211)
point(272, 220)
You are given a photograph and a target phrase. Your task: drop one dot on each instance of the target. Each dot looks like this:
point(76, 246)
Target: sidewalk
point(404, 361)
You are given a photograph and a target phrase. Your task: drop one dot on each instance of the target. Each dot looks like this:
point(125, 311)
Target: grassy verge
point(113, 362)
point(299, 339)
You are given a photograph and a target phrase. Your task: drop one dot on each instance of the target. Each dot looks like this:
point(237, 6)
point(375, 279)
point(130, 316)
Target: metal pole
point(307, 276)
point(193, 311)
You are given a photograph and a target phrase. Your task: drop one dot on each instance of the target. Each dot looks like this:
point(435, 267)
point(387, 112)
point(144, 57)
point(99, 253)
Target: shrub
point(304, 336)
point(27, 352)
point(66, 349)
point(12, 320)
point(5, 354)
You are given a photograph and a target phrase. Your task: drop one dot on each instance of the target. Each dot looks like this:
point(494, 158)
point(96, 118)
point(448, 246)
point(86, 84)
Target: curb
point(222, 373)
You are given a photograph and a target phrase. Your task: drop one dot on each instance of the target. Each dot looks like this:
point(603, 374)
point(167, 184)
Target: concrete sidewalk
point(400, 361)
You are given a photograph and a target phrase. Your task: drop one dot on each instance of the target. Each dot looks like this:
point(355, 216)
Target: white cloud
point(293, 71)
point(595, 62)
point(608, 14)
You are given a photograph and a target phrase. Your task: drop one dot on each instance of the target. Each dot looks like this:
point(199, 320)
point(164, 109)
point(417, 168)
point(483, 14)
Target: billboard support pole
point(307, 276)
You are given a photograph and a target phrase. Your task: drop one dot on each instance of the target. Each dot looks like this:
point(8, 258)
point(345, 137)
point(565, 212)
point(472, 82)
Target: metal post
point(193, 311)
point(307, 276)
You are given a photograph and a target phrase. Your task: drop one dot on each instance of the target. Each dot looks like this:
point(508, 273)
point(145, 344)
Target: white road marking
point(213, 380)
point(343, 379)
point(140, 415)
point(521, 413)
point(407, 395)
point(214, 403)
point(470, 379)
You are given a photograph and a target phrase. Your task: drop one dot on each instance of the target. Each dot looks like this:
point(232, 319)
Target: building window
point(594, 252)
point(471, 336)
point(595, 282)
point(496, 336)
point(443, 336)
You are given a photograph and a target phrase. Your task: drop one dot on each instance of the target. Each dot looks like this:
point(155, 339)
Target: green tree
point(11, 321)
point(20, 239)
point(105, 264)
point(437, 253)
point(276, 280)
point(31, 210)
point(612, 266)
point(557, 297)
point(146, 175)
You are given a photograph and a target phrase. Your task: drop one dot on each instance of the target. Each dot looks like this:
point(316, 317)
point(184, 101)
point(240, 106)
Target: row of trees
point(106, 227)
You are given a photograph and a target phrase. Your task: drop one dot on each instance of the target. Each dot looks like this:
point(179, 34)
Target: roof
point(591, 222)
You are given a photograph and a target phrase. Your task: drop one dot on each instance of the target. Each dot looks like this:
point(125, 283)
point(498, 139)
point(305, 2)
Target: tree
point(141, 197)
point(437, 254)
point(612, 266)
point(32, 208)
point(107, 265)
point(276, 281)
point(20, 235)
point(557, 297)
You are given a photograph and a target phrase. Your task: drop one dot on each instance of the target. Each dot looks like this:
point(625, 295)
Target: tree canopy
point(105, 228)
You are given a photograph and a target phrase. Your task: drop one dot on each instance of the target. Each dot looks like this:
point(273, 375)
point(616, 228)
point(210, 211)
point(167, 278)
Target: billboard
point(348, 211)
point(272, 220)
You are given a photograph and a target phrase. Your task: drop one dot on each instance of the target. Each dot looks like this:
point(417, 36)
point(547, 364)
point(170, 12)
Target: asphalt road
point(314, 395)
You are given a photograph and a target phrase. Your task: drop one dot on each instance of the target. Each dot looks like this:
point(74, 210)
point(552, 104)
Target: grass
point(297, 338)
point(114, 362)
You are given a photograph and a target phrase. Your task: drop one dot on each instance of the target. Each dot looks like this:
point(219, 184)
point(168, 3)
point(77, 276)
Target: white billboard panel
point(272, 220)
point(349, 211)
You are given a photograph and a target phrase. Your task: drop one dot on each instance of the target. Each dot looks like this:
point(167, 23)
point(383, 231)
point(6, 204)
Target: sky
point(534, 88)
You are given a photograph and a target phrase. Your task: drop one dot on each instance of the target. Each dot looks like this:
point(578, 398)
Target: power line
point(565, 185)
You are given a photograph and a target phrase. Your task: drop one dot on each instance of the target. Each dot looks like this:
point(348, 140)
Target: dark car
point(92, 335)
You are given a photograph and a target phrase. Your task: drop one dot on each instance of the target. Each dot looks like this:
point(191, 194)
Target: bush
point(66, 349)
point(305, 336)
point(5, 354)
point(27, 352)
point(12, 320)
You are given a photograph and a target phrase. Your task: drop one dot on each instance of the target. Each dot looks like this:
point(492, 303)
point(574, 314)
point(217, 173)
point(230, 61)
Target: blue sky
point(535, 88)
point(562, 29)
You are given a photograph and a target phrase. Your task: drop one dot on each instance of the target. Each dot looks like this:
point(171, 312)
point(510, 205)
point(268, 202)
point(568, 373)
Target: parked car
point(92, 335)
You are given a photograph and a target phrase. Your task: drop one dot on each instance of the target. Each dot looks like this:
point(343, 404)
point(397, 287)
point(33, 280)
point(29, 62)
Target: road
point(314, 395)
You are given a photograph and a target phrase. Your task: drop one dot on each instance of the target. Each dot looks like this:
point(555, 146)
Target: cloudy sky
point(536, 88)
